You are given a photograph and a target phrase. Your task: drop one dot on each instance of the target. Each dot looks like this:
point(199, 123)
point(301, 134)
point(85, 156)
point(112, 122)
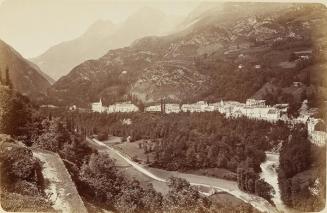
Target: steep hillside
point(25, 77)
point(230, 55)
point(101, 37)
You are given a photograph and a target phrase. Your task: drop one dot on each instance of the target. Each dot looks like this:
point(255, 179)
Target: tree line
point(302, 173)
point(95, 174)
point(188, 141)
point(100, 182)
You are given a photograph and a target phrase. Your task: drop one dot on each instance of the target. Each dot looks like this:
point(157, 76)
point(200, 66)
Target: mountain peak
point(100, 27)
point(101, 37)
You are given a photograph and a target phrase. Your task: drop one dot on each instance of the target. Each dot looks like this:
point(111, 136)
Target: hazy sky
point(32, 26)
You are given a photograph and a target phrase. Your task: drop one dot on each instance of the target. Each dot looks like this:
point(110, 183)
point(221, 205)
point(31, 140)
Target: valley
point(198, 181)
point(197, 108)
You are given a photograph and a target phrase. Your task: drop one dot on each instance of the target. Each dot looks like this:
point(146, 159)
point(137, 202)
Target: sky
point(33, 26)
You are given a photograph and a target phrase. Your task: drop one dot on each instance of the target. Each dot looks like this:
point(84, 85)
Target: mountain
point(92, 44)
point(228, 55)
point(101, 37)
point(25, 77)
point(49, 79)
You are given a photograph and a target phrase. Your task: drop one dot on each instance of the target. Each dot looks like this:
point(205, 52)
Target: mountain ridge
point(25, 77)
point(211, 60)
point(58, 60)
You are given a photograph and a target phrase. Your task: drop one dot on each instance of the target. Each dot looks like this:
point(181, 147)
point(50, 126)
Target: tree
point(129, 199)
point(147, 159)
point(183, 198)
point(48, 138)
point(152, 200)
point(295, 158)
point(99, 175)
point(295, 155)
point(263, 189)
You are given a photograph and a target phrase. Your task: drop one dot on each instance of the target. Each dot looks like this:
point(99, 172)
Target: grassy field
point(113, 140)
point(135, 152)
point(225, 199)
point(215, 172)
point(127, 169)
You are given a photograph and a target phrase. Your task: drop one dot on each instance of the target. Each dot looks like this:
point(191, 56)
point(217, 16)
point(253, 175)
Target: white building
point(281, 107)
point(195, 107)
point(172, 108)
point(318, 137)
point(189, 108)
point(311, 124)
point(273, 114)
point(122, 107)
point(253, 109)
point(254, 102)
point(72, 108)
point(209, 108)
point(154, 108)
point(119, 107)
point(98, 107)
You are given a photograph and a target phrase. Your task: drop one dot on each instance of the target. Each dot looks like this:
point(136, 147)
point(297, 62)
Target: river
point(270, 175)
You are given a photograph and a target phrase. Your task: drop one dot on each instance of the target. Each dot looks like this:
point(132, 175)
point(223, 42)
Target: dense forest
point(183, 142)
point(95, 174)
point(188, 141)
point(22, 184)
point(99, 181)
point(191, 140)
point(302, 173)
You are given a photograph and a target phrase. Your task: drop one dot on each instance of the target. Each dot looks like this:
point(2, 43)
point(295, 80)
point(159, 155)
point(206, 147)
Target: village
point(252, 109)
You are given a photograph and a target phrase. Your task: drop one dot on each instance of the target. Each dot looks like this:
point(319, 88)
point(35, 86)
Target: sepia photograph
point(163, 106)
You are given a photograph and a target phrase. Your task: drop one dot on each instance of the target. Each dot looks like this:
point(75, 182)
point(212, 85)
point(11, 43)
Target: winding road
point(195, 180)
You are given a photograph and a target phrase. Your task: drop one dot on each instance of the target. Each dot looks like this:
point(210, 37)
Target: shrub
point(26, 188)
